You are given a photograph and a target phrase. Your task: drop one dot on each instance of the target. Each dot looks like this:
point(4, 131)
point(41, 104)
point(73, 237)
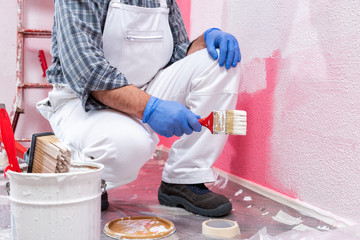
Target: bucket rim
point(99, 167)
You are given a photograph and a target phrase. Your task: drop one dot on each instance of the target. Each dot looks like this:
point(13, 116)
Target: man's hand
point(169, 118)
point(228, 45)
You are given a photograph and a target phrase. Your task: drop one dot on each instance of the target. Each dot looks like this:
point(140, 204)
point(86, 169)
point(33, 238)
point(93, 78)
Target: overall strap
point(163, 3)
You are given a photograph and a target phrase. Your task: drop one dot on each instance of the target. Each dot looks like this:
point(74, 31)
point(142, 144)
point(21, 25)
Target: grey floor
point(253, 212)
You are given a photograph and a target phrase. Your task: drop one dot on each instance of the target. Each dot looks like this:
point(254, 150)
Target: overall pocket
point(142, 55)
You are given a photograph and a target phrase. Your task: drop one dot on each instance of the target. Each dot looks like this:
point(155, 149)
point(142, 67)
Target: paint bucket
point(57, 205)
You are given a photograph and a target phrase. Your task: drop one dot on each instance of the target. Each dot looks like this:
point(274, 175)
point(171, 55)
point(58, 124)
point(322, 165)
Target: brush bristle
point(50, 155)
point(236, 122)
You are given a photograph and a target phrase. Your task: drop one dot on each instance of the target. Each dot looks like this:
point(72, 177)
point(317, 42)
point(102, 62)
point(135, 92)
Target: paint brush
point(231, 122)
point(48, 154)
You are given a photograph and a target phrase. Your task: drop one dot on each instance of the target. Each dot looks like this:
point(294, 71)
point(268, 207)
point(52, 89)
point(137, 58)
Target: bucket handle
point(7, 187)
point(103, 186)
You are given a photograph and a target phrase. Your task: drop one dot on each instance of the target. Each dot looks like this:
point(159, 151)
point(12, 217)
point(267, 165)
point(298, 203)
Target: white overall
point(138, 41)
point(137, 38)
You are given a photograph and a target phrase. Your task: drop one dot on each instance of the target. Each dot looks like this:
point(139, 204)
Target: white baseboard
point(296, 204)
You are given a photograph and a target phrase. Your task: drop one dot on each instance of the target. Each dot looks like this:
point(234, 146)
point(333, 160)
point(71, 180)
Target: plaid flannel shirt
point(78, 58)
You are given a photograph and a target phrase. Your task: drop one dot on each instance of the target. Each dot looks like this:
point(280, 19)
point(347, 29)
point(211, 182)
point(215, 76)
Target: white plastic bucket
point(52, 206)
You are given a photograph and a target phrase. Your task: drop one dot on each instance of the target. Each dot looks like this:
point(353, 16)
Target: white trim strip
point(296, 204)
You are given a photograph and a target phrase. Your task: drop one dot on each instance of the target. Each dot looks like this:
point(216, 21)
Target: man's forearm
point(197, 44)
point(128, 99)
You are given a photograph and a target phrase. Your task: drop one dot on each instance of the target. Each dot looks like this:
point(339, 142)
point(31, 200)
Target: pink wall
point(300, 86)
point(256, 145)
point(185, 7)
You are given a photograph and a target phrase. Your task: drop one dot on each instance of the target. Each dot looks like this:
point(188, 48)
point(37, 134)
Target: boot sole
point(175, 201)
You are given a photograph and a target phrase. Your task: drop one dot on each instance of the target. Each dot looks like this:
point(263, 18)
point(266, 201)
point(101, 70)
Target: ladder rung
point(35, 85)
point(35, 33)
point(23, 140)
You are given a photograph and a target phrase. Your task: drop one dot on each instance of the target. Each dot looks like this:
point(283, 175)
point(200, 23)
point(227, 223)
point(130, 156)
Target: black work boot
point(195, 198)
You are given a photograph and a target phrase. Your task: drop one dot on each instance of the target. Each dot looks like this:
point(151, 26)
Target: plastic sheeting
point(348, 233)
point(259, 218)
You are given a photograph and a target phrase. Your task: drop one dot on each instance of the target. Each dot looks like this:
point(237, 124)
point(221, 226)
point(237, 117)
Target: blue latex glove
point(228, 45)
point(169, 118)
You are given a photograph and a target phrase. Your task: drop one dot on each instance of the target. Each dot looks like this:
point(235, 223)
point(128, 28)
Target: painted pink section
point(167, 142)
point(300, 86)
point(185, 8)
point(256, 145)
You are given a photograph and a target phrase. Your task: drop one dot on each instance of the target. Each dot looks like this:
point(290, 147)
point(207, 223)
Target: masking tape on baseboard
point(220, 228)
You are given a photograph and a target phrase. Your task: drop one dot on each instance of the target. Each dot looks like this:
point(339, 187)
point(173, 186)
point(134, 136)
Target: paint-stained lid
point(144, 227)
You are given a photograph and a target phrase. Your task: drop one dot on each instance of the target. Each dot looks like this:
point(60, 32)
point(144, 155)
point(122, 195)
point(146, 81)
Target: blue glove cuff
point(150, 107)
point(208, 31)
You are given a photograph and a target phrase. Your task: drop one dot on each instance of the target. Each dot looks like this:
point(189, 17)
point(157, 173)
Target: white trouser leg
point(198, 82)
point(122, 143)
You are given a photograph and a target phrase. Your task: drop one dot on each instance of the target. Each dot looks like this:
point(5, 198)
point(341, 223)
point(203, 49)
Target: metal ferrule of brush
point(219, 126)
point(231, 122)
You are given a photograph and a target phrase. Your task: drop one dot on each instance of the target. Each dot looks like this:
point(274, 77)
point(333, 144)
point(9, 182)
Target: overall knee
point(209, 72)
point(120, 148)
point(122, 156)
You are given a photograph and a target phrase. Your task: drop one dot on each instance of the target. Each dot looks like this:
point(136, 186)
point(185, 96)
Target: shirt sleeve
point(78, 58)
point(180, 36)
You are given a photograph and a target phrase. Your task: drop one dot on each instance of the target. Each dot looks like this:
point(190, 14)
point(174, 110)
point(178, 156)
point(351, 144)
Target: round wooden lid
point(144, 227)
